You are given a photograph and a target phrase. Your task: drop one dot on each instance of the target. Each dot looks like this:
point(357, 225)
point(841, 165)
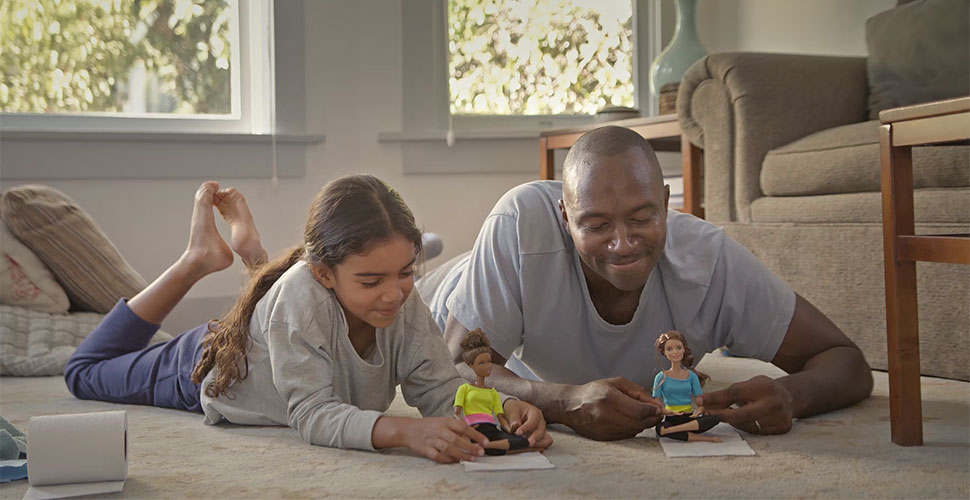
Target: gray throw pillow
point(918, 52)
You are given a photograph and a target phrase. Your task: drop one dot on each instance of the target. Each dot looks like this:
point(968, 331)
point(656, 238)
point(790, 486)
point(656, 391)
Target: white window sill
point(168, 137)
point(49, 155)
point(479, 151)
point(467, 135)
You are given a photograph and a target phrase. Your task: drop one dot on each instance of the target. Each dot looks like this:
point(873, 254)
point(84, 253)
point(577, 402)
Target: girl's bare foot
point(245, 238)
point(207, 252)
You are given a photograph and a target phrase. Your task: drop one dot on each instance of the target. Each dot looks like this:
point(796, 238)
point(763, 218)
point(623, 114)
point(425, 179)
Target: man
point(574, 281)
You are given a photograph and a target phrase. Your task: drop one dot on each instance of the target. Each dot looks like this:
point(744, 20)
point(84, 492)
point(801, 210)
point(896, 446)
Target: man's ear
point(562, 212)
point(324, 275)
point(666, 197)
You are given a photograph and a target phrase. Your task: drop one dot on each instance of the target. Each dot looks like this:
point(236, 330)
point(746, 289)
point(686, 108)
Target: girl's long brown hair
point(347, 216)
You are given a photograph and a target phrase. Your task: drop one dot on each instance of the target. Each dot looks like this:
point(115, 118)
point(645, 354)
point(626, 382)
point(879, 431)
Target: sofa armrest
point(739, 106)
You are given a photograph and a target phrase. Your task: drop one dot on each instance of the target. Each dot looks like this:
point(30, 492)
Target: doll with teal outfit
point(677, 388)
point(480, 406)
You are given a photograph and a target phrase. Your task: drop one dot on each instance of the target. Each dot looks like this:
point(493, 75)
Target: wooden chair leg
point(693, 165)
point(902, 322)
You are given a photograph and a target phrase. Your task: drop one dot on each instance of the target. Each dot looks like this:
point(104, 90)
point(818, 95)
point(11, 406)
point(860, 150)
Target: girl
point(678, 387)
point(319, 339)
point(479, 405)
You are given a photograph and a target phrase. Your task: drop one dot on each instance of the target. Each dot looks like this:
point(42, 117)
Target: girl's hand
point(527, 421)
point(444, 440)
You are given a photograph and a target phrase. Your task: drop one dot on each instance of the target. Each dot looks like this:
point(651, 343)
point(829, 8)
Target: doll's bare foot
point(497, 447)
point(245, 238)
point(207, 252)
point(700, 437)
point(501, 444)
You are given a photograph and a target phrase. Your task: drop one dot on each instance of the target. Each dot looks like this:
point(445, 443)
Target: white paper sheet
point(732, 444)
point(73, 490)
point(78, 454)
point(521, 461)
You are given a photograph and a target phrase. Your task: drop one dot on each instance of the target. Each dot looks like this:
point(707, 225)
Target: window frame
point(425, 76)
point(252, 107)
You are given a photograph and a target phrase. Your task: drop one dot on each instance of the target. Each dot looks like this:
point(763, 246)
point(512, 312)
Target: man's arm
point(607, 409)
point(827, 371)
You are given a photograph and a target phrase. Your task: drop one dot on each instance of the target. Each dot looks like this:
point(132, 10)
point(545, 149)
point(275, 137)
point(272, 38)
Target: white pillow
point(25, 281)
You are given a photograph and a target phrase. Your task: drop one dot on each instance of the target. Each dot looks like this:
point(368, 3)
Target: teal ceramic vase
point(684, 49)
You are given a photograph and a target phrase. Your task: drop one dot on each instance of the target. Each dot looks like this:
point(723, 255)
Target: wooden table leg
point(693, 162)
point(902, 322)
point(547, 160)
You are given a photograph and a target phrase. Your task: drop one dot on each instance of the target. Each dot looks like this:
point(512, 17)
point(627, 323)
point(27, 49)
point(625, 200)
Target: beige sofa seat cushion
point(931, 206)
point(846, 160)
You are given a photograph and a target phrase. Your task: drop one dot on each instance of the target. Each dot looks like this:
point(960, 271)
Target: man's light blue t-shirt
point(523, 285)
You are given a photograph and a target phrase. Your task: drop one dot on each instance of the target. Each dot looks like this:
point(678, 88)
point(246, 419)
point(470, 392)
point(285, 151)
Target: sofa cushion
point(918, 52)
point(931, 206)
point(66, 238)
point(846, 160)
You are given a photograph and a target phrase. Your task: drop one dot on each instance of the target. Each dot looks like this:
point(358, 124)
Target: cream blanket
point(35, 344)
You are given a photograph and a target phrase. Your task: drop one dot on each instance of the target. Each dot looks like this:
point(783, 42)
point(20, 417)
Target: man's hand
point(527, 421)
point(610, 409)
point(763, 406)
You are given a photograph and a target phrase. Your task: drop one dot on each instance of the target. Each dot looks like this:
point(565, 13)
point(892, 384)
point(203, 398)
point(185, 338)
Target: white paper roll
point(77, 448)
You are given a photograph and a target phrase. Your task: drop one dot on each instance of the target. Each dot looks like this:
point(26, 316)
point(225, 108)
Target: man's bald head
point(581, 161)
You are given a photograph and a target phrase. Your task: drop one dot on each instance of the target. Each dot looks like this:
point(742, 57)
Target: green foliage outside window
point(534, 57)
point(77, 55)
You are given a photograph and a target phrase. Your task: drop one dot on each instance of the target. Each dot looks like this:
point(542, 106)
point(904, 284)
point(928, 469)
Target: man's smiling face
point(616, 211)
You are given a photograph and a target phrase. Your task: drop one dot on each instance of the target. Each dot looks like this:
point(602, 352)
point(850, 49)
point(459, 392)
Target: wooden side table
point(938, 122)
point(664, 134)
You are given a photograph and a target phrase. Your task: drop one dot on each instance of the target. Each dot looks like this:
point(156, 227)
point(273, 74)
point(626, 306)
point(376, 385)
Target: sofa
point(792, 172)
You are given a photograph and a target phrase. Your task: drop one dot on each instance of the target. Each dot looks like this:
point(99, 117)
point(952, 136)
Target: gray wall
point(835, 27)
point(353, 78)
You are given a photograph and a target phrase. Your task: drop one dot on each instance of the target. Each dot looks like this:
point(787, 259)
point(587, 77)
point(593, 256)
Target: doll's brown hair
point(688, 361)
point(473, 345)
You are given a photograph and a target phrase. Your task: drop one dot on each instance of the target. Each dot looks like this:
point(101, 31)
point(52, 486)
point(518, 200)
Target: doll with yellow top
point(678, 387)
point(481, 406)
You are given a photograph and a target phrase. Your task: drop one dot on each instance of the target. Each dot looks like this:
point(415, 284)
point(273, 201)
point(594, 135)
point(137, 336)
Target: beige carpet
point(844, 454)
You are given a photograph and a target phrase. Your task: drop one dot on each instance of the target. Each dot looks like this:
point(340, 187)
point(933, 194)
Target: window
point(135, 65)
point(510, 68)
point(554, 57)
point(444, 42)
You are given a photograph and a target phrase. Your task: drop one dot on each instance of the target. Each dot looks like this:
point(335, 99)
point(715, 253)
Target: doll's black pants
point(704, 423)
point(494, 433)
